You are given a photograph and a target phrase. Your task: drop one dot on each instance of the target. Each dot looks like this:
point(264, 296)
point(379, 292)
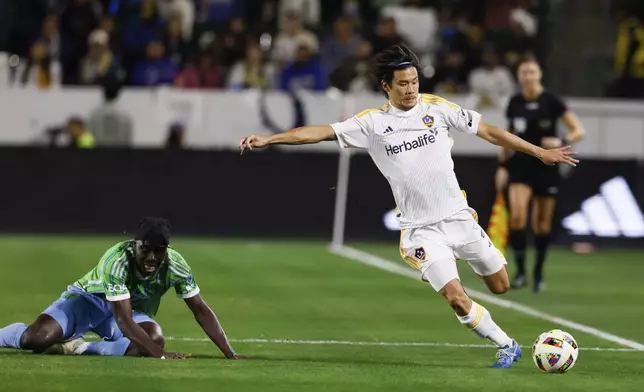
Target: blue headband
point(403, 63)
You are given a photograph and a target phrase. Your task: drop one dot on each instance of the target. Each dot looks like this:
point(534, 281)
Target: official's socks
point(518, 242)
point(541, 243)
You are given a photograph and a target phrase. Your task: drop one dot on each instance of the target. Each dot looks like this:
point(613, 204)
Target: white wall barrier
point(217, 120)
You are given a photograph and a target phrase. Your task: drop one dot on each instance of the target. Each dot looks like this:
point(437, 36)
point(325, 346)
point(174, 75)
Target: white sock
point(480, 321)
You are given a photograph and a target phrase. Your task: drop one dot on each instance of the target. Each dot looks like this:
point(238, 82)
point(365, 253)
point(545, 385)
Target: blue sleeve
point(169, 74)
point(285, 78)
point(320, 79)
point(138, 75)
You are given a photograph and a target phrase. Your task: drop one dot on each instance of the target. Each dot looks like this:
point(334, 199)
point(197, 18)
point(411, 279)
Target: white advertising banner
point(218, 119)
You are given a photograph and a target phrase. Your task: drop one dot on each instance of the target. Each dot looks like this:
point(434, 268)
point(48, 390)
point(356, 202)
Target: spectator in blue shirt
point(304, 72)
point(157, 69)
point(220, 11)
point(341, 46)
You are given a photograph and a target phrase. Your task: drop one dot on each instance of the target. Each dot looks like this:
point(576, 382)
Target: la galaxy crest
point(428, 121)
point(419, 253)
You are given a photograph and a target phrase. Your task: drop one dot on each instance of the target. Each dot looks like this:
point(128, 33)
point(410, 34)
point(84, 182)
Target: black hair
point(153, 230)
point(175, 136)
point(111, 90)
point(392, 59)
point(75, 120)
point(528, 58)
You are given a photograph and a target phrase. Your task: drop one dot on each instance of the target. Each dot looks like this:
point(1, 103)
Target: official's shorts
point(434, 249)
point(79, 312)
point(544, 180)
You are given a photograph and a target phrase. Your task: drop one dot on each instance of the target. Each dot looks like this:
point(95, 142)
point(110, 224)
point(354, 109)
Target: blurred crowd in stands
point(464, 45)
point(629, 49)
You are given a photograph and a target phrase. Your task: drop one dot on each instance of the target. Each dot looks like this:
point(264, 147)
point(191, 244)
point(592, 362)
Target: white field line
point(378, 262)
point(380, 344)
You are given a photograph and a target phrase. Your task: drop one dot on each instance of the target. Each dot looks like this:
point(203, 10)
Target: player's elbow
point(581, 133)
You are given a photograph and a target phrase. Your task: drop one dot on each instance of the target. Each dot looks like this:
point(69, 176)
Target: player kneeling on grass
point(117, 300)
point(409, 141)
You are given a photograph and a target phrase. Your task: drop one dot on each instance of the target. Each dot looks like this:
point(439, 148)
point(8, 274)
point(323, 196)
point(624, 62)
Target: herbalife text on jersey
point(407, 146)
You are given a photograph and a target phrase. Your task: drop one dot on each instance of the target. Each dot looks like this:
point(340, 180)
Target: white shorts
point(434, 249)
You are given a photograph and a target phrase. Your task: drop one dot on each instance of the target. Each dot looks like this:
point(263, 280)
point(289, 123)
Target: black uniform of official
point(533, 120)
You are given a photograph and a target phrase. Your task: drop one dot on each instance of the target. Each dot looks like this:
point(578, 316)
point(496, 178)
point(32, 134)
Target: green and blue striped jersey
point(116, 278)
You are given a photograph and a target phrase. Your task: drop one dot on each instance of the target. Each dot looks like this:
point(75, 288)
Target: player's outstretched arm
point(210, 324)
point(505, 139)
point(123, 314)
point(303, 135)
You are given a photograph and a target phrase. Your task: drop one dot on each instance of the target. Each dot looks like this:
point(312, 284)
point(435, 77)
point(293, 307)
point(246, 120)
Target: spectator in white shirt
point(308, 10)
point(491, 84)
point(291, 37)
point(416, 23)
point(184, 9)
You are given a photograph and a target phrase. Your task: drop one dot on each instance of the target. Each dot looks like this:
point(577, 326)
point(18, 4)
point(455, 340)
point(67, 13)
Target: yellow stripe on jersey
point(435, 99)
point(475, 214)
point(365, 112)
point(409, 260)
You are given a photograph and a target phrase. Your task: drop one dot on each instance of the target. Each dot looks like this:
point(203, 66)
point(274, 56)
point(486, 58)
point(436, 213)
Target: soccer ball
point(555, 351)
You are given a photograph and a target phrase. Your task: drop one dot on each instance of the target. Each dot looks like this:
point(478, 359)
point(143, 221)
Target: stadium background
point(112, 110)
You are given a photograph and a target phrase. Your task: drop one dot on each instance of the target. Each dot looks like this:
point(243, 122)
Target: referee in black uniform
point(533, 115)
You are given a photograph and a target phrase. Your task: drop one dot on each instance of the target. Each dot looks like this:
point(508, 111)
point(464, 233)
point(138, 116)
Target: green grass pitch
point(300, 291)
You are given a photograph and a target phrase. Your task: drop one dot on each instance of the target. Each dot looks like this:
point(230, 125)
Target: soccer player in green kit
point(117, 300)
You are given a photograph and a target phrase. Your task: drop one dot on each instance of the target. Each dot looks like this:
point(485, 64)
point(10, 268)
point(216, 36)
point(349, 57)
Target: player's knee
point(38, 337)
point(500, 286)
point(154, 332)
point(542, 228)
point(497, 282)
point(158, 339)
point(517, 221)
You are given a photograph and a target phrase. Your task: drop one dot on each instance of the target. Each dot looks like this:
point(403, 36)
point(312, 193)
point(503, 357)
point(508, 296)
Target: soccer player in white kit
point(409, 141)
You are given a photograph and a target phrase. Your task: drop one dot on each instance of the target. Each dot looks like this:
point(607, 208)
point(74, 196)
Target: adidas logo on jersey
point(421, 141)
point(469, 117)
point(389, 129)
point(613, 212)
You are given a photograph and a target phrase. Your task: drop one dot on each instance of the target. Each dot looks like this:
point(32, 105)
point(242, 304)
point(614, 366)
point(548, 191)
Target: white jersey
point(412, 149)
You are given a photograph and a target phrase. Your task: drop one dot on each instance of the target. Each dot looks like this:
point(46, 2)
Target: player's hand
point(559, 155)
point(252, 141)
point(501, 179)
point(176, 356)
point(550, 142)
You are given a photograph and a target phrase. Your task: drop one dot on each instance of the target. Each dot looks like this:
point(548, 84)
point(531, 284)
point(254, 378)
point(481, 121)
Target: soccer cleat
point(539, 286)
point(70, 347)
point(507, 355)
point(519, 282)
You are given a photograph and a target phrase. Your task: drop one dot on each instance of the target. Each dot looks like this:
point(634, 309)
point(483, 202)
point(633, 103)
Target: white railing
point(218, 119)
